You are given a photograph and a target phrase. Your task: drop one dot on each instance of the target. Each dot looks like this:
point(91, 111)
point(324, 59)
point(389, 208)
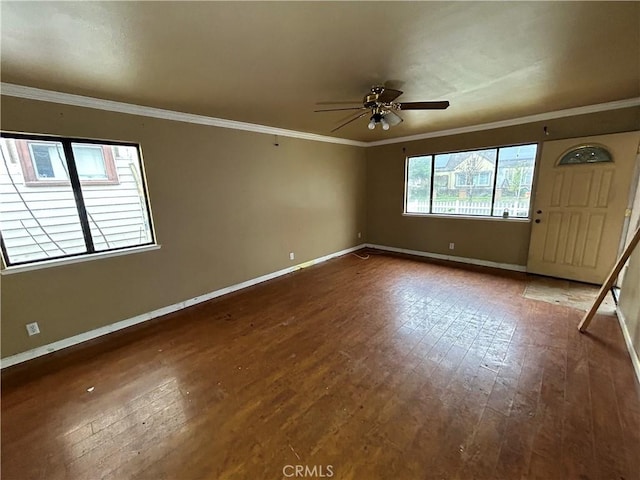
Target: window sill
point(65, 183)
point(469, 217)
point(78, 259)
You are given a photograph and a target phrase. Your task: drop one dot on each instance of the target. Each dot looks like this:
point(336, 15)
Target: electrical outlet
point(452, 246)
point(33, 329)
point(292, 256)
point(359, 235)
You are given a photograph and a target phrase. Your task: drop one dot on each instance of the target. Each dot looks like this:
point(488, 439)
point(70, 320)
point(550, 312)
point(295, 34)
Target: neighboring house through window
point(489, 182)
point(46, 161)
point(43, 163)
point(481, 179)
point(442, 181)
point(63, 197)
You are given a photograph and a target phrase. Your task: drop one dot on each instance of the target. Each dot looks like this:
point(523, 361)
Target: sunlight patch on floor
point(567, 293)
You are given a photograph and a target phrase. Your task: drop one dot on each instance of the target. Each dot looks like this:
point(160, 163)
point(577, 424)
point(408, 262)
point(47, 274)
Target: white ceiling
point(270, 62)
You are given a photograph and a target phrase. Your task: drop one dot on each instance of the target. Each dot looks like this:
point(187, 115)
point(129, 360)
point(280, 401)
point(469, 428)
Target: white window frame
point(39, 178)
point(104, 164)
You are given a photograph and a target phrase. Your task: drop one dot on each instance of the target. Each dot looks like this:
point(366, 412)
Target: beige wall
point(228, 206)
point(629, 303)
point(492, 240)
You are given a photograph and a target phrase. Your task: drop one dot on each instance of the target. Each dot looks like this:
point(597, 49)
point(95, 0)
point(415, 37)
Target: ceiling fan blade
point(393, 118)
point(388, 95)
point(350, 119)
point(339, 109)
point(424, 105)
point(357, 102)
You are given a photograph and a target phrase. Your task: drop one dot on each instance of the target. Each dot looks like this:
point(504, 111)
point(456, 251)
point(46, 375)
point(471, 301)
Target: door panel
point(582, 207)
point(580, 188)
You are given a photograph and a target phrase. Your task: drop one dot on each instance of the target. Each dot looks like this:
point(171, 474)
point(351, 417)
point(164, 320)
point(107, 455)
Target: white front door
point(578, 210)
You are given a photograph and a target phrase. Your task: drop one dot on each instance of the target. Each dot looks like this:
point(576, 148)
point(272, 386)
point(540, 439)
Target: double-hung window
point(494, 182)
point(43, 163)
point(64, 197)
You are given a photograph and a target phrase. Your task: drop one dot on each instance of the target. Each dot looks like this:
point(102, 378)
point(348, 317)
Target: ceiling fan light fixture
point(382, 104)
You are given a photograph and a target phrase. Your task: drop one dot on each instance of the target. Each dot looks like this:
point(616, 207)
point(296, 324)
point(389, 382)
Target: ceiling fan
point(381, 104)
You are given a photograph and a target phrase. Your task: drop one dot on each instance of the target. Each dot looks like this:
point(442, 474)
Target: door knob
point(539, 211)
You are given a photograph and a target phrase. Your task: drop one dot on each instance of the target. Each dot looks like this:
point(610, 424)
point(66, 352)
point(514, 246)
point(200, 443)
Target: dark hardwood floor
point(386, 368)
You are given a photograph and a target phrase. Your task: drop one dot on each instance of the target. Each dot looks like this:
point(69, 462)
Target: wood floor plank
point(382, 368)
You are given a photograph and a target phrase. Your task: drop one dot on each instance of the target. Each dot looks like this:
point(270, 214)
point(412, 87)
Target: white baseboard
point(98, 332)
point(451, 258)
point(627, 339)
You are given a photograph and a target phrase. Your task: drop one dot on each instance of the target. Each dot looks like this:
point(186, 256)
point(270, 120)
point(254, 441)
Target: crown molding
point(20, 91)
point(540, 117)
point(31, 93)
